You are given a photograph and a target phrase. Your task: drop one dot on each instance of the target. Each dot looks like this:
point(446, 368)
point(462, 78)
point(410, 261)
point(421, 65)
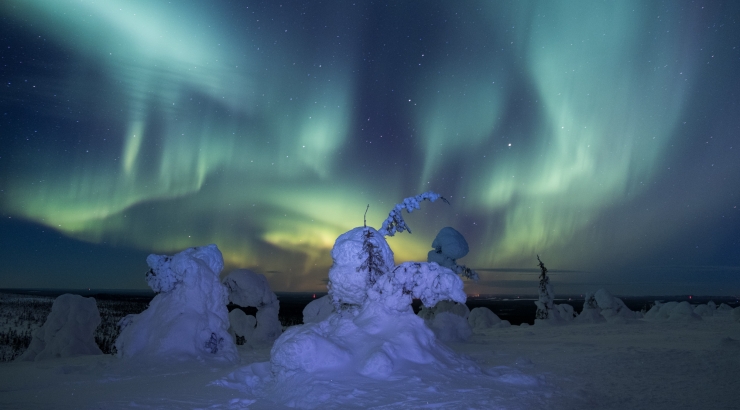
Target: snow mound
point(250, 289)
point(188, 318)
point(482, 318)
point(318, 310)
point(69, 330)
point(736, 314)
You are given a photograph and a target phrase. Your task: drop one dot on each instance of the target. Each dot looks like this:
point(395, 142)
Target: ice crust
point(188, 318)
point(69, 330)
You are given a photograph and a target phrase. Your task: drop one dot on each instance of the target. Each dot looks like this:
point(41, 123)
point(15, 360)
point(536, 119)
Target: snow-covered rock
point(482, 318)
point(250, 289)
point(318, 310)
point(188, 318)
point(705, 310)
point(69, 330)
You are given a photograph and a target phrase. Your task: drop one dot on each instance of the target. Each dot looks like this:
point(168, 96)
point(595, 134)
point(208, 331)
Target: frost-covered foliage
point(449, 245)
point(546, 294)
point(318, 310)
point(373, 330)
point(69, 330)
point(188, 318)
point(395, 223)
point(482, 318)
point(250, 289)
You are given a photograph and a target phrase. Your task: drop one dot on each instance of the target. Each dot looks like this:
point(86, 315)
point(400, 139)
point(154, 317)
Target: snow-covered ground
point(639, 365)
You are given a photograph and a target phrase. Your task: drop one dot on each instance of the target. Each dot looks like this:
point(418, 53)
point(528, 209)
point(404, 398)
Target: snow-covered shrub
point(449, 245)
point(565, 312)
point(187, 319)
point(446, 328)
point(241, 326)
point(69, 330)
point(591, 312)
point(450, 327)
point(318, 310)
point(250, 289)
point(482, 318)
point(612, 308)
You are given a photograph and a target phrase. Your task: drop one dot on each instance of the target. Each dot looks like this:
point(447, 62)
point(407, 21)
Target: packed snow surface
point(656, 365)
point(68, 331)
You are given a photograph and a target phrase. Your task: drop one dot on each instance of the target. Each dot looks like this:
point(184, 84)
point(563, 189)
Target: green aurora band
point(237, 129)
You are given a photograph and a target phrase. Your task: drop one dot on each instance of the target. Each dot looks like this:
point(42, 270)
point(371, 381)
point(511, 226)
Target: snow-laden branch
point(395, 223)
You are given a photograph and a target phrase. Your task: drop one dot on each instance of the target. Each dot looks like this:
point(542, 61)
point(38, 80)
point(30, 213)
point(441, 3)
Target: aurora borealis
point(603, 136)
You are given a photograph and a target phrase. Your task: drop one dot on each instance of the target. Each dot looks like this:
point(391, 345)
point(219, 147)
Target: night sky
point(603, 136)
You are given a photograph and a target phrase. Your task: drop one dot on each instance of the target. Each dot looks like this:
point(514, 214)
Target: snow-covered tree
point(188, 318)
point(449, 245)
point(395, 223)
point(69, 330)
point(250, 289)
point(546, 293)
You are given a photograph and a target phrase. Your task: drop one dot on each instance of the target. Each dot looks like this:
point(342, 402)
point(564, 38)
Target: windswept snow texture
point(188, 318)
point(318, 310)
point(247, 288)
point(68, 331)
